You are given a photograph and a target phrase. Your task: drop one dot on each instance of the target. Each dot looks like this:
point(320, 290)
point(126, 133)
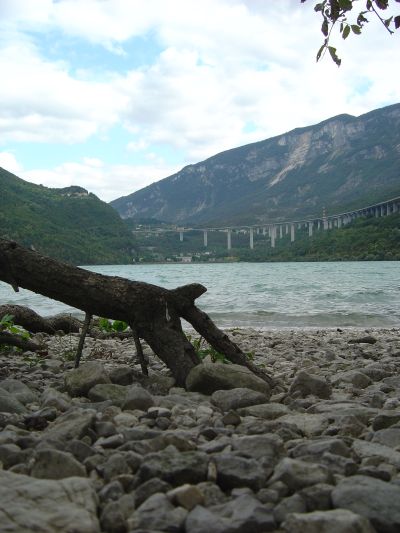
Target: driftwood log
point(153, 312)
point(31, 321)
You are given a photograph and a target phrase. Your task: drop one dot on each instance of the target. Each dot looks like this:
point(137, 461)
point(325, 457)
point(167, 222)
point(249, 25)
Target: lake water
point(268, 295)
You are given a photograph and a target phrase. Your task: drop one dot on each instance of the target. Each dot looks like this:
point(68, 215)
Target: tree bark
point(154, 312)
point(31, 321)
point(14, 340)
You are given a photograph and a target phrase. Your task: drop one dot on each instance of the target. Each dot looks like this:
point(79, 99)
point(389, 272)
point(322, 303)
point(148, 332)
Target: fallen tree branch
point(31, 321)
point(9, 339)
point(154, 312)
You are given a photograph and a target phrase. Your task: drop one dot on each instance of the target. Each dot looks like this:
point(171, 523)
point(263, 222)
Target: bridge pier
point(339, 222)
point(292, 233)
point(229, 239)
point(310, 228)
point(181, 236)
point(280, 231)
point(273, 236)
point(382, 211)
point(251, 238)
point(395, 208)
point(205, 237)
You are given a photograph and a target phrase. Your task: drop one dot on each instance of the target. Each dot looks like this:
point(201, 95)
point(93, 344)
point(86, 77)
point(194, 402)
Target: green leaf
point(325, 27)
point(356, 29)
point(346, 5)
point(320, 52)
point(334, 56)
point(119, 325)
point(397, 22)
point(382, 4)
point(346, 32)
point(319, 7)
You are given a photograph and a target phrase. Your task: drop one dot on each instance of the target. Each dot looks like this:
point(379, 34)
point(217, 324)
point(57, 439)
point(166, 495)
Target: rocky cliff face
point(341, 163)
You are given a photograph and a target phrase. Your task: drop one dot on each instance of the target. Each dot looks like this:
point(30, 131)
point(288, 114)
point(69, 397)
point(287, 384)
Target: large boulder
point(298, 474)
point(19, 390)
point(210, 377)
point(305, 384)
point(372, 498)
point(108, 391)
point(54, 464)
point(237, 397)
point(336, 521)
point(10, 403)
point(79, 381)
point(28, 504)
point(174, 467)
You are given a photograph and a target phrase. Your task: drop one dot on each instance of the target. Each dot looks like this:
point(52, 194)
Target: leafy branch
point(336, 12)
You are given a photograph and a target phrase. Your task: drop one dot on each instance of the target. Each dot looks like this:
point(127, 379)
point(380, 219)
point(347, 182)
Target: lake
point(267, 295)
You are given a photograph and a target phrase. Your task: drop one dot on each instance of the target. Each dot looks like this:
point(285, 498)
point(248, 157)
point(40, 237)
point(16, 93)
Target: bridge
point(276, 230)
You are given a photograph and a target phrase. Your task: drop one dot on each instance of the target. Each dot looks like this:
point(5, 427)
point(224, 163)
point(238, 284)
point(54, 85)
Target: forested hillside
point(69, 224)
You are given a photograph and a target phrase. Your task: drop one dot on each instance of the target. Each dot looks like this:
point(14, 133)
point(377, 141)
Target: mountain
point(341, 163)
point(69, 224)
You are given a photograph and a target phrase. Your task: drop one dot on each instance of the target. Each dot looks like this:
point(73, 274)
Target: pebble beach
point(105, 449)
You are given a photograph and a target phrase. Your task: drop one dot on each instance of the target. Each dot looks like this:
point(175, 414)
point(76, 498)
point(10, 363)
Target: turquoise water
point(268, 295)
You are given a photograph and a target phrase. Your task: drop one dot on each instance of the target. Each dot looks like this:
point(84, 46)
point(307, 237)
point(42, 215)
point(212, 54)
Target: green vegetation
point(68, 224)
point(204, 350)
point(110, 326)
point(7, 324)
point(365, 239)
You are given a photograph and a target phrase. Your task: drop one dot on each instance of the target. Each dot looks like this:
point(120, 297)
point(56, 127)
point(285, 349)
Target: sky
point(113, 95)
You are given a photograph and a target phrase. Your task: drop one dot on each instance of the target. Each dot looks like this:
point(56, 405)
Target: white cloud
point(224, 64)
point(9, 162)
point(106, 181)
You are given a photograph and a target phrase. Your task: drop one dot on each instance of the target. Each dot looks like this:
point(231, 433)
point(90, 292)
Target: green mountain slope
point(342, 163)
point(67, 224)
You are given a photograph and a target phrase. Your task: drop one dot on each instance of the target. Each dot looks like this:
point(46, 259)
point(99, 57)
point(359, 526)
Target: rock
point(231, 419)
point(28, 504)
point(305, 384)
point(108, 391)
point(370, 449)
point(187, 496)
point(385, 420)
point(174, 467)
point(19, 390)
point(388, 437)
point(138, 398)
point(54, 398)
point(210, 377)
point(235, 471)
point(112, 519)
point(73, 424)
point(371, 498)
point(157, 513)
point(268, 447)
point(336, 521)
point(367, 339)
point(298, 474)
point(237, 398)
point(319, 446)
point(200, 520)
point(291, 504)
point(148, 488)
point(53, 464)
point(244, 514)
point(212, 494)
point(337, 410)
point(10, 404)
point(309, 424)
point(317, 497)
point(79, 381)
point(356, 378)
point(268, 411)
point(121, 375)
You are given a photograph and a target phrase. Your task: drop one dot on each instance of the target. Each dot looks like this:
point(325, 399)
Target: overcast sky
point(113, 95)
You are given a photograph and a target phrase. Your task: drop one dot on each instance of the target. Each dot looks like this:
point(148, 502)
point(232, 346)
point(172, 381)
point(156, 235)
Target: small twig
point(381, 19)
point(139, 351)
point(85, 329)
